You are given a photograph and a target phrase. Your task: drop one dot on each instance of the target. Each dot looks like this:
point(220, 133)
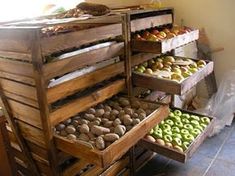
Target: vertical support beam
point(42, 101)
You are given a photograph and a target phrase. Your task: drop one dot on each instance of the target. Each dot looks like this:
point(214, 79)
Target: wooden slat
point(18, 88)
point(75, 39)
point(18, 78)
point(149, 22)
point(93, 171)
point(72, 63)
point(142, 57)
point(75, 168)
point(15, 43)
point(82, 104)
point(70, 87)
point(26, 113)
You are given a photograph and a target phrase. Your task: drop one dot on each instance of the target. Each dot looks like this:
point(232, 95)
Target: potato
point(108, 124)
point(144, 105)
point(70, 129)
point(135, 104)
point(140, 110)
point(127, 120)
point(112, 103)
point(92, 143)
point(124, 102)
point(135, 115)
point(111, 129)
point(100, 106)
point(82, 121)
point(99, 143)
point(60, 127)
point(91, 111)
point(83, 137)
point(111, 137)
point(150, 138)
point(98, 119)
point(84, 128)
point(104, 120)
point(128, 111)
point(107, 114)
point(148, 112)
point(136, 121)
point(72, 137)
point(117, 122)
point(129, 127)
point(63, 133)
point(76, 118)
point(114, 112)
point(98, 130)
point(67, 122)
point(89, 117)
point(91, 124)
point(112, 118)
point(75, 123)
point(142, 116)
point(120, 130)
point(119, 108)
point(107, 108)
point(91, 136)
point(99, 112)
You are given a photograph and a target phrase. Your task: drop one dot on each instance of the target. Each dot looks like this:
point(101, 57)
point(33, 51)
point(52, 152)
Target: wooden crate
point(168, 86)
point(176, 155)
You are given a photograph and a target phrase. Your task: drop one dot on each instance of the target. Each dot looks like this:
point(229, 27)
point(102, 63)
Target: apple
point(166, 30)
point(157, 134)
point(159, 59)
point(176, 70)
point(176, 135)
point(162, 33)
point(185, 145)
point(199, 127)
point(195, 132)
point(179, 124)
point(188, 127)
point(142, 67)
point(151, 62)
point(138, 37)
point(151, 131)
point(184, 69)
point(152, 38)
point(177, 112)
point(194, 122)
point(170, 35)
point(140, 70)
point(185, 121)
point(171, 114)
point(184, 115)
point(205, 120)
point(169, 59)
point(148, 71)
point(186, 74)
point(167, 138)
point(156, 127)
point(165, 126)
point(168, 144)
point(155, 32)
point(166, 69)
point(194, 117)
point(157, 65)
point(188, 138)
point(184, 131)
point(193, 70)
point(176, 141)
point(167, 132)
point(178, 148)
point(169, 122)
point(175, 118)
point(145, 34)
point(203, 125)
point(175, 129)
point(160, 141)
point(201, 63)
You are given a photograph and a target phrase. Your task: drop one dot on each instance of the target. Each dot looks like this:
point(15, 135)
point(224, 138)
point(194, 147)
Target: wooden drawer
point(115, 150)
point(165, 45)
point(174, 154)
point(168, 86)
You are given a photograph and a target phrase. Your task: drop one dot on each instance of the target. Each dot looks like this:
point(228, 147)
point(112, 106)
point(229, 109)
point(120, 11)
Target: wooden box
point(176, 155)
point(168, 86)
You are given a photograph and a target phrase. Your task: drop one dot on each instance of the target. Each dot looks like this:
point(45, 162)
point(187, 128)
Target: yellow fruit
point(176, 76)
point(169, 59)
point(148, 71)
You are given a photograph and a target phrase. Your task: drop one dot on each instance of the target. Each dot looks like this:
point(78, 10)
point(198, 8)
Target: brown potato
point(99, 143)
point(98, 130)
point(91, 136)
point(135, 115)
point(71, 137)
point(67, 122)
point(63, 133)
point(99, 112)
point(70, 129)
point(127, 120)
point(120, 130)
point(114, 112)
point(91, 111)
point(60, 126)
point(108, 124)
point(107, 114)
point(128, 111)
point(89, 117)
point(111, 137)
point(83, 137)
point(142, 116)
point(84, 128)
point(117, 122)
point(107, 108)
point(136, 121)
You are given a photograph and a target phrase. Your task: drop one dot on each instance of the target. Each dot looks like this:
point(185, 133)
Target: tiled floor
point(215, 157)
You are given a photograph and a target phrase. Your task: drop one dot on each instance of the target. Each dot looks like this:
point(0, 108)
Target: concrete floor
point(215, 157)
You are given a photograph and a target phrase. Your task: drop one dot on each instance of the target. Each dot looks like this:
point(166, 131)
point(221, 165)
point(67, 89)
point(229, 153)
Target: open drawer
point(165, 45)
point(115, 150)
point(175, 154)
point(152, 81)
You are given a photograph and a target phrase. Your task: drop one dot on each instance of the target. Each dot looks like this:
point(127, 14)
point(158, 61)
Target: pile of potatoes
point(105, 123)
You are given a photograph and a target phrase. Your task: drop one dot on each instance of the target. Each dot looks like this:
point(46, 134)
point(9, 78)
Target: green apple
point(185, 121)
point(193, 70)
point(194, 122)
point(139, 70)
point(157, 134)
point(178, 148)
point(176, 141)
point(195, 132)
point(186, 74)
point(166, 126)
point(175, 129)
point(188, 138)
point(177, 112)
point(176, 135)
point(176, 119)
point(145, 64)
point(168, 144)
point(205, 120)
point(171, 114)
point(167, 131)
point(188, 127)
point(151, 131)
point(186, 116)
point(194, 117)
point(203, 125)
point(179, 124)
point(156, 127)
point(167, 138)
point(198, 127)
point(184, 131)
point(169, 122)
point(142, 68)
point(185, 145)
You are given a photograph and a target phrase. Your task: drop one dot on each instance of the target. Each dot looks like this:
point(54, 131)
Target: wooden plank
point(143, 159)
point(14, 41)
point(149, 22)
point(93, 171)
point(18, 88)
point(75, 168)
point(142, 57)
point(70, 87)
point(72, 63)
point(75, 39)
point(26, 113)
point(83, 103)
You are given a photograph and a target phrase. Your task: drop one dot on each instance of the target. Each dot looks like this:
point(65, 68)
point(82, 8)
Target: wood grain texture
point(75, 168)
point(83, 103)
point(76, 39)
point(72, 63)
point(85, 81)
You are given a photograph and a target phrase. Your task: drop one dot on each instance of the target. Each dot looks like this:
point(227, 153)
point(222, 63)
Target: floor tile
point(221, 168)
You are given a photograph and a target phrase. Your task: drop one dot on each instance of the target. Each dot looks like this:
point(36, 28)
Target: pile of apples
point(168, 67)
point(157, 35)
point(178, 130)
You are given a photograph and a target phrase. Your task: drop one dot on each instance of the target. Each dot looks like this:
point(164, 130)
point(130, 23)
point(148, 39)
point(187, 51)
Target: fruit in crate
point(107, 122)
point(179, 129)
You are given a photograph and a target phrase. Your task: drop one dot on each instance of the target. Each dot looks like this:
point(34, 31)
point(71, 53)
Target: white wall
point(218, 19)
